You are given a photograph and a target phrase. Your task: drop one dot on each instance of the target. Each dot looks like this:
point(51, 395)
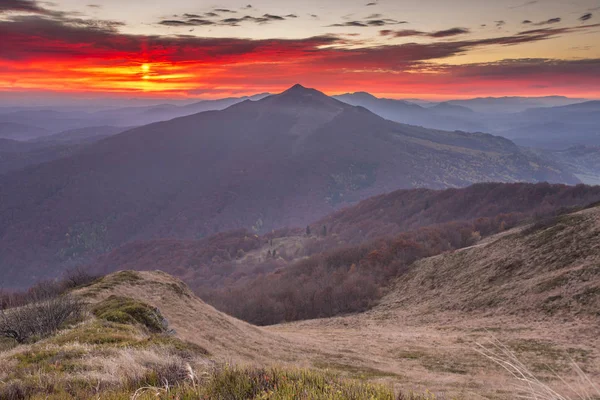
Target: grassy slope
point(545, 269)
point(535, 289)
point(128, 349)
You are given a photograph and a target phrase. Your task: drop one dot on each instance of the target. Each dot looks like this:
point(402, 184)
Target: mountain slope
point(17, 130)
point(556, 127)
point(192, 319)
point(284, 160)
point(548, 268)
point(507, 105)
point(535, 292)
point(222, 259)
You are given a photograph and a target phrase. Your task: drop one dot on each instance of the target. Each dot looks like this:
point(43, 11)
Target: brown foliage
point(345, 280)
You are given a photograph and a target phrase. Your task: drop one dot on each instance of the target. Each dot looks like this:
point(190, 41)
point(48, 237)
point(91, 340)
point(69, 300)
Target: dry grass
point(536, 291)
point(530, 386)
point(392, 344)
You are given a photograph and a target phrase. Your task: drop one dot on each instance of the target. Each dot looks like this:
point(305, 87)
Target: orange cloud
point(38, 52)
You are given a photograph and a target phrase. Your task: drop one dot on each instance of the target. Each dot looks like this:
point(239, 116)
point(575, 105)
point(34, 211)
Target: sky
point(429, 49)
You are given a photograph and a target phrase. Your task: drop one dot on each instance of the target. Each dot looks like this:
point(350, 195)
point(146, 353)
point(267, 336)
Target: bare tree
point(77, 277)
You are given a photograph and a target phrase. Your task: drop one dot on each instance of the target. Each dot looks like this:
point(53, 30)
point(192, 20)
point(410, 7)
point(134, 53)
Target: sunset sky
point(432, 49)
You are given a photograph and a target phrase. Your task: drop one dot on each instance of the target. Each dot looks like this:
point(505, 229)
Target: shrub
point(125, 310)
point(39, 319)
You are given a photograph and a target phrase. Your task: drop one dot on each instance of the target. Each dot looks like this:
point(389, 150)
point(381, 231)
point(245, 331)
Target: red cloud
point(64, 53)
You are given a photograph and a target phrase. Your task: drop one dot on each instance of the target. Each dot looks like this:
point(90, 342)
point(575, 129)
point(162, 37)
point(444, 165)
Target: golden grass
point(530, 386)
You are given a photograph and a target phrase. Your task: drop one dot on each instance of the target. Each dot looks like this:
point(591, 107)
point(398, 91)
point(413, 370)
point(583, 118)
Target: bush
point(39, 319)
point(47, 289)
point(125, 310)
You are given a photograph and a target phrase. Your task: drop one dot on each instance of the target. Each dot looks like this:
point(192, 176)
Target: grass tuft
point(124, 310)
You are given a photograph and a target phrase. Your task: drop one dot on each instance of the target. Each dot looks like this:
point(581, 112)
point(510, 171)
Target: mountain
point(284, 160)
point(451, 109)
point(13, 146)
point(582, 161)
point(82, 135)
point(16, 130)
point(441, 116)
point(15, 155)
point(556, 127)
point(43, 122)
point(142, 115)
point(510, 105)
point(544, 122)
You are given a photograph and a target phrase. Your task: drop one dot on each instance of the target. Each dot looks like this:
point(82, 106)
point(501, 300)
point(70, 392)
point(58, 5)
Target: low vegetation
point(124, 350)
point(40, 318)
point(129, 311)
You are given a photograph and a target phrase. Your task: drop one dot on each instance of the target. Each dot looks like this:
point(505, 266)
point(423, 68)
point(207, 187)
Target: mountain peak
point(297, 86)
point(298, 89)
point(300, 96)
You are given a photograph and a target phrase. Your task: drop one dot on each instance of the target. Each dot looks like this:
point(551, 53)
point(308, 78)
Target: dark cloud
point(224, 10)
point(273, 17)
point(189, 22)
point(437, 34)
point(94, 6)
point(259, 20)
point(401, 33)
point(372, 20)
point(558, 31)
point(500, 23)
point(449, 32)
point(37, 37)
point(22, 6)
point(351, 24)
point(529, 3)
point(371, 4)
point(525, 22)
point(548, 22)
point(585, 17)
point(291, 16)
point(197, 20)
point(31, 7)
point(522, 68)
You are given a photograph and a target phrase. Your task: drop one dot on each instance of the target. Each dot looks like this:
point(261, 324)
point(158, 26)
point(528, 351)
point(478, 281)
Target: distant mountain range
point(441, 116)
point(547, 122)
point(27, 123)
point(554, 122)
point(283, 160)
